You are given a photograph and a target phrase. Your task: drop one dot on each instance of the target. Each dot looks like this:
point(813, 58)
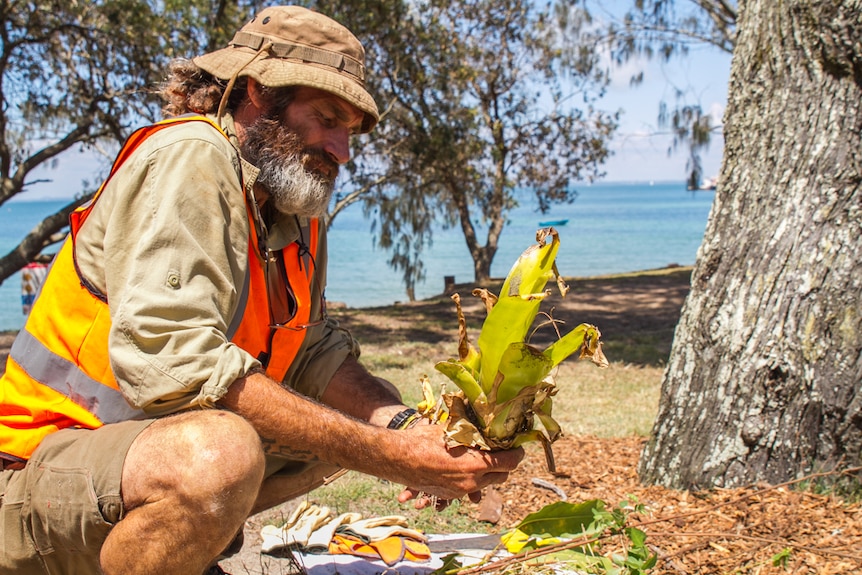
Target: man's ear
point(257, 95)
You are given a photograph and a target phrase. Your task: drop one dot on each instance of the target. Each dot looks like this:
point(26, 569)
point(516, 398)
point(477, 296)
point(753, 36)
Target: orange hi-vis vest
point(58, 374)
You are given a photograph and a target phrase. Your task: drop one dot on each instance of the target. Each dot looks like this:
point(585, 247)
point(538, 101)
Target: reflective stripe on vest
point(55, 372)
point(58, 374)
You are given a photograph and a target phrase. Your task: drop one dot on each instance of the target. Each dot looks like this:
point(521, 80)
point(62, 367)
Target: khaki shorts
point(57, 511)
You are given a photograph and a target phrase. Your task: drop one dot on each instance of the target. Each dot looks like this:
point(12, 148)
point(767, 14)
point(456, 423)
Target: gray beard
point(279, 154)
point(293, 189)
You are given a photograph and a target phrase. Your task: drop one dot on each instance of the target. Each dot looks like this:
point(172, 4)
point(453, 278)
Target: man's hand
point(416, 457)
point(441, 474)
point(419, 454)
point(422, 500)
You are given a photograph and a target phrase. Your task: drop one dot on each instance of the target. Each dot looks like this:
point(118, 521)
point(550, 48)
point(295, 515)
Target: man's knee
point(193, 454)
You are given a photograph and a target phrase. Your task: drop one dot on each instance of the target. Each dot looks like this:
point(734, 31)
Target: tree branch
point(44, 234)
point(14, 185)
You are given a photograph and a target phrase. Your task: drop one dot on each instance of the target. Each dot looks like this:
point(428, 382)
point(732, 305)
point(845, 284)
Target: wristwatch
point(404, 419)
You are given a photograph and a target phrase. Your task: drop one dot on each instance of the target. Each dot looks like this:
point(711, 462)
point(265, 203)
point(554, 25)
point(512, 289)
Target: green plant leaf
point(506, 382)
point(543, 412)
point(462, 377)
point(567, 345)
point(780, 558)
point(561, 519)
point(450, 565)
point(510, 417)
point(510, 319)
point(637, 536)
point(521, 365)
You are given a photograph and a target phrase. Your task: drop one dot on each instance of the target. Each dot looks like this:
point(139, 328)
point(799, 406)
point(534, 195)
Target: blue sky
point(640, 149)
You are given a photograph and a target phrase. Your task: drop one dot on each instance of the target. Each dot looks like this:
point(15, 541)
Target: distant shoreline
point(610, 228)
point(466, 287)
point(23, 198)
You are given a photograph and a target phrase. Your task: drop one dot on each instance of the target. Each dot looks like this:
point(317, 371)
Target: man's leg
point(293, 478)
point(189, 482)
point(284, 485)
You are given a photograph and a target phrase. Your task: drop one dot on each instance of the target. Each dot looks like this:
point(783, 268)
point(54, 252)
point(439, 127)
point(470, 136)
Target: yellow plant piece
point(504, 382)
point(430, 407)
point(515, 540)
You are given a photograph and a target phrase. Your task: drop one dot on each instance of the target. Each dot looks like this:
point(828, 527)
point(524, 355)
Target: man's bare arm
point(298, 427)
point(353, 390)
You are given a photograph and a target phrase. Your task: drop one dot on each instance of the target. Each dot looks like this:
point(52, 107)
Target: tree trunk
point(482, 258)
point(763, 381)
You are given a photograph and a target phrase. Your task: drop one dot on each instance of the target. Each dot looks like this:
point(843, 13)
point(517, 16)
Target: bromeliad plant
point(505, 381)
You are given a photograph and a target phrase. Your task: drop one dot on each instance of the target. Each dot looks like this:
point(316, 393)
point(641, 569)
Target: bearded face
point(300, 180)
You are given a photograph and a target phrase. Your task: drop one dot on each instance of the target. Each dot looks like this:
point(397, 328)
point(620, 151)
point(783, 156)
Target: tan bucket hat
point(294, 46)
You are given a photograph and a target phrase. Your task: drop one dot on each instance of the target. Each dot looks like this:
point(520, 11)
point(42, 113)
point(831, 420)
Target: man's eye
point(328, 121)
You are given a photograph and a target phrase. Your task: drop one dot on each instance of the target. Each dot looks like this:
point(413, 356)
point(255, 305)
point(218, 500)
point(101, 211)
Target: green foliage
point(573, 535)
point(665, 28)
point(564, 520)
point(79, 73)
point(691, 128)
point(780, 558)
point(505, 381)
point(475, 105)
point(451, 564)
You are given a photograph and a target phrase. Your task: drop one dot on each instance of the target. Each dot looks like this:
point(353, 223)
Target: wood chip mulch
point(715, 531)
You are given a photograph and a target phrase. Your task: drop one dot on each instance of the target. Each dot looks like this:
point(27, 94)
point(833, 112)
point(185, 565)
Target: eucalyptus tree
point(764, 380)
point(77, 73)
point(483, 107)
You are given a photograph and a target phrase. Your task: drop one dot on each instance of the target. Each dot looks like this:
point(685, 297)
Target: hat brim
point(280, 72)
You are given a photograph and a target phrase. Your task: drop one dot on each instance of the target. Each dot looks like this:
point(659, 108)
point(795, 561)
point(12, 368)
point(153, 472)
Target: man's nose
point(338, 145)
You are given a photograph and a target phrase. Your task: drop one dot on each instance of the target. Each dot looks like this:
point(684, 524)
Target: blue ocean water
point(611, 228)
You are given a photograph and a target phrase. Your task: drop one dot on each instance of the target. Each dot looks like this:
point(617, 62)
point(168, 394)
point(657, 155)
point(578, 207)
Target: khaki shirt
point(168, 243)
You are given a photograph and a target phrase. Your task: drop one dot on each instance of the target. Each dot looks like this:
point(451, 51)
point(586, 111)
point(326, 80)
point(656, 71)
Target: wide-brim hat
point(294, 46)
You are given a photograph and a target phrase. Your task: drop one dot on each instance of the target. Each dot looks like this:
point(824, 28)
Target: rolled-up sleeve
point(175, 253)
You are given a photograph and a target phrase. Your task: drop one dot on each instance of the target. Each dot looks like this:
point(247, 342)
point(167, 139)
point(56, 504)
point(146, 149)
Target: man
point(178, 371)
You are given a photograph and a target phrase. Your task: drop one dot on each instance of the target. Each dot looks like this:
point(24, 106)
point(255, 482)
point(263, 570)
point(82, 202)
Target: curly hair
point(188, 89)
